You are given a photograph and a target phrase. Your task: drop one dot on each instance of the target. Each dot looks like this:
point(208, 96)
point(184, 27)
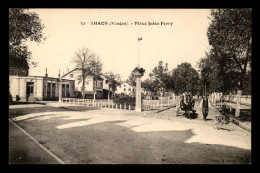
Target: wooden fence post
point(225, 101)
point(221, 97)
point(161, 99)
point(177, 105)
point(238, 103)
point(230, 109)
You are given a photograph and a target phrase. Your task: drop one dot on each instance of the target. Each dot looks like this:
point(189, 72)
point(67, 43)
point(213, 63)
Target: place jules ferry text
point(132, 23)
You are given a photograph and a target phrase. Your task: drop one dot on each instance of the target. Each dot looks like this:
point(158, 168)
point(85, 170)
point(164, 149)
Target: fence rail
point(244, 99)
point(97, 103)
point(76, 101)
point(146, 104)
point(238, 102)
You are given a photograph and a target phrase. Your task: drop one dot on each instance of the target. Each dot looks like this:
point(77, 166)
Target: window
point(99, 84)
point(124, 89)
point(133, 89)
point(71, 75)
point(67, 91)
point(63, 90)
point(129, 89)
point(48, 90)
point(124, 85)
point(53, 90)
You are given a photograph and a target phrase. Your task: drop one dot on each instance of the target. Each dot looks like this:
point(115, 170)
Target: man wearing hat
point(205, 105)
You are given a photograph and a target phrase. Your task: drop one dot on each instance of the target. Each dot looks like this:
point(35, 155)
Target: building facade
point(126, 89)
point(93, 85)
point(33, 88)
point(36, 88)
point(129, 90)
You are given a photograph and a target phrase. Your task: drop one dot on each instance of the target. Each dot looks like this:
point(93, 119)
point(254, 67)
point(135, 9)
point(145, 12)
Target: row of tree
point(184, 78)
point(227, 66)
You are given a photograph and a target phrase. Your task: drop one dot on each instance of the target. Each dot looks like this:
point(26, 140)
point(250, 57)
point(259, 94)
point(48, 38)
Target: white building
point(126, 89)
point(33, 88)
point(129, 90)
point(92, 85)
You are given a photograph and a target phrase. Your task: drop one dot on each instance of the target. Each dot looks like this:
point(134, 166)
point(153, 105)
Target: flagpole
point(139, 39)
point(138, 83)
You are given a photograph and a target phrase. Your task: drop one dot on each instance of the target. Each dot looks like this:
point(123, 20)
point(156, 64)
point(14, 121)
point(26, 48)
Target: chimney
point(59, 74)
point(46, 74)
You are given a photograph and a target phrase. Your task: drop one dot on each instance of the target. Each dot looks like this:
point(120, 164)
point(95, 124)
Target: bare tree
point(89, 64)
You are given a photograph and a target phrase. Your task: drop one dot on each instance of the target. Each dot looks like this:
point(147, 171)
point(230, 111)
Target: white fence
point(146, 104)
point(162, 102)
point(76, 101)
point(150, 104)
point(238, 102)
point(244, 99)
point(218, 98)
point(96, 103)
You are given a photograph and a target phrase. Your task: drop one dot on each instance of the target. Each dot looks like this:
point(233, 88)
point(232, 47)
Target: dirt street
point(110, 136)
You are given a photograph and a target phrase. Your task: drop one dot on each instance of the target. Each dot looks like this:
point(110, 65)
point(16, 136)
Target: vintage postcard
point(130, 86)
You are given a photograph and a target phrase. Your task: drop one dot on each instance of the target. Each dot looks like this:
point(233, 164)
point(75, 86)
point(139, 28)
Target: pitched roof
point(98, 77)
point(70, 72)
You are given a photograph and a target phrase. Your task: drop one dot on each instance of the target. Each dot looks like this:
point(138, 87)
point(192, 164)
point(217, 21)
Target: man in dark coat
point(192, 102)
point(205, 105)
point(182, 103)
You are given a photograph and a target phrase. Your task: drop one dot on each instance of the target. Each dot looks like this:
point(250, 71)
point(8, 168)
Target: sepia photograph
point(95, 86)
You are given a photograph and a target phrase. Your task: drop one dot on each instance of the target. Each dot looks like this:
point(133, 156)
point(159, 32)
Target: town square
point(130, 86)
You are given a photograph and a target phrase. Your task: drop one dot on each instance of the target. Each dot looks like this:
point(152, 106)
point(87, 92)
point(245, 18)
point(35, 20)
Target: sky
point(183, 39)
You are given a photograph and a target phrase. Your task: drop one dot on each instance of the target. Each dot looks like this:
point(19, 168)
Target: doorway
point(29, 90)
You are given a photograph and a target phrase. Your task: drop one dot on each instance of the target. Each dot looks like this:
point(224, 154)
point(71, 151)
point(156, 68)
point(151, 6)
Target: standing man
point(192, 103)
point(205, 105)
point(182, 103)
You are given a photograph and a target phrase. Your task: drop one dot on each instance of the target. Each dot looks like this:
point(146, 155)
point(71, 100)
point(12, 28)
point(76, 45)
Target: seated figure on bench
point(190, 103)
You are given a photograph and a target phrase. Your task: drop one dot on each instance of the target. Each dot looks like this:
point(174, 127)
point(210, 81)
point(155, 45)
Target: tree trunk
point(108, 97)
point(83, 89)
point(83, 86)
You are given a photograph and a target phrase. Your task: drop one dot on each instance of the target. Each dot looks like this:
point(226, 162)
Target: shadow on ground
point(110, 143)
point(15, 112)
